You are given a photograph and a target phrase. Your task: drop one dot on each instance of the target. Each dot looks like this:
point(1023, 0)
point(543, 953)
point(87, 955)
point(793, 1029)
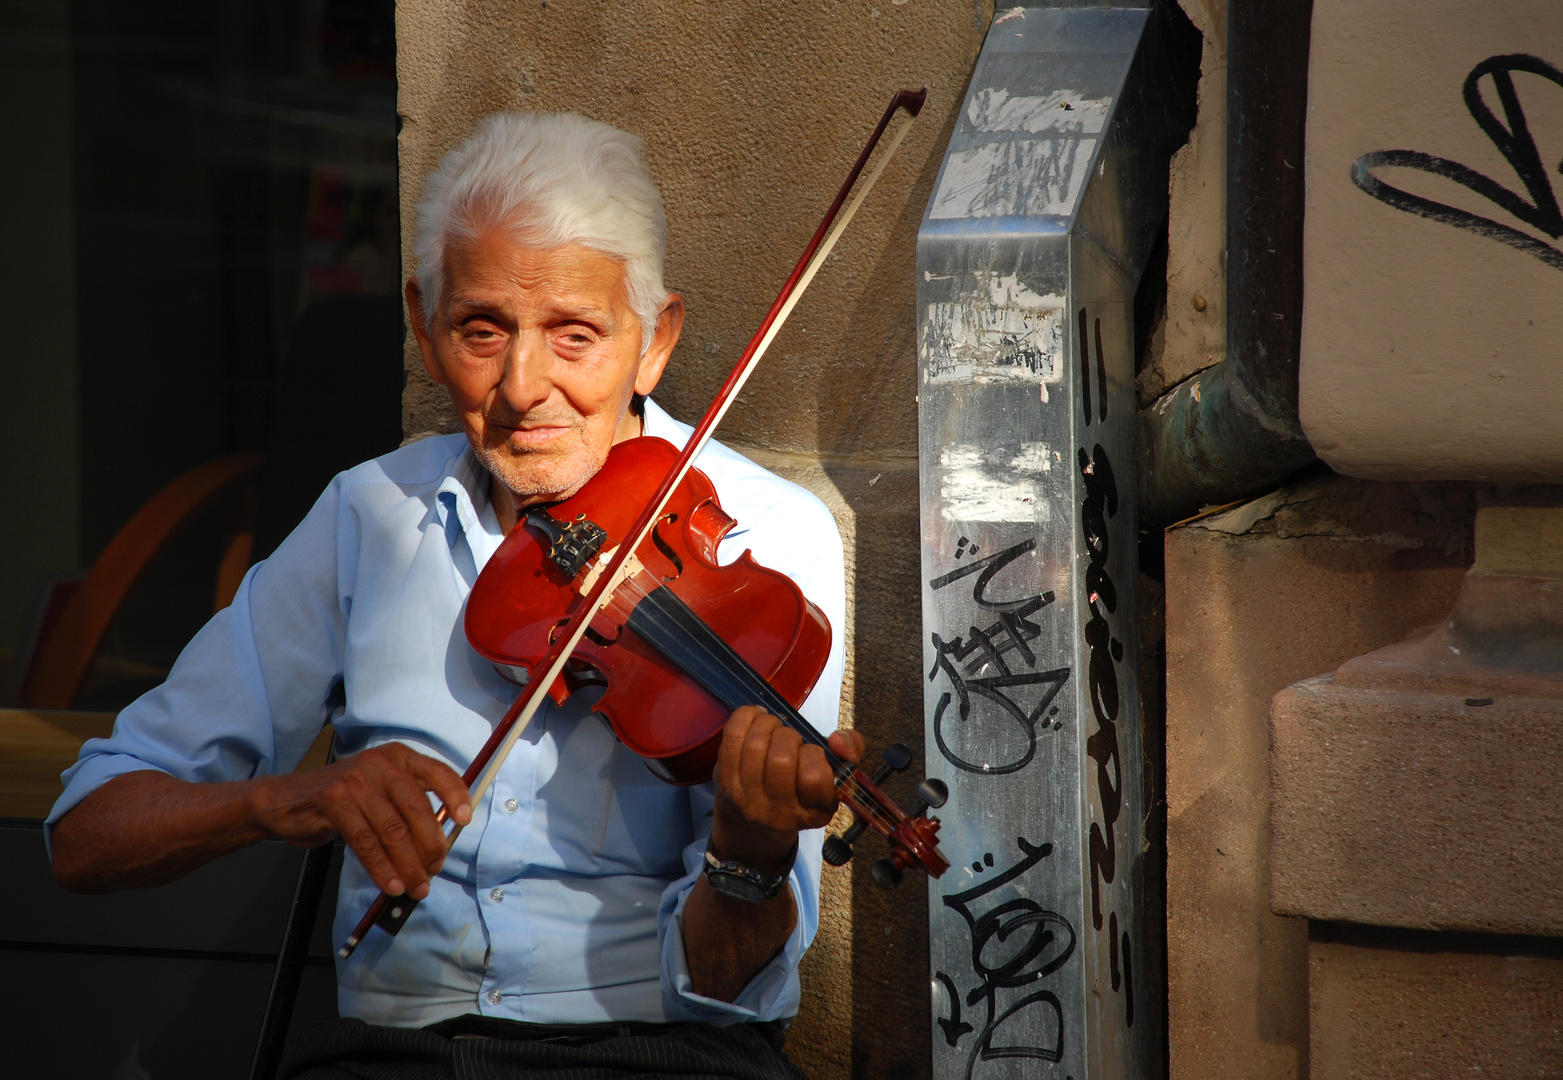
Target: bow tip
point(911, 100)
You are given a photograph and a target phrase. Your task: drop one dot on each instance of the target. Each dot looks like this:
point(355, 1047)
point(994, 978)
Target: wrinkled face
point(541, 353)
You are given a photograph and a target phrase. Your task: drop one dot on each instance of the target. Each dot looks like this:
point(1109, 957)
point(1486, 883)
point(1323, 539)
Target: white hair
point(550, 179)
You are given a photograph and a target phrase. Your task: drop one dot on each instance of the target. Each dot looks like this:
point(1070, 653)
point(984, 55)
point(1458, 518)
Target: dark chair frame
point(289, 972)
point(285, 979)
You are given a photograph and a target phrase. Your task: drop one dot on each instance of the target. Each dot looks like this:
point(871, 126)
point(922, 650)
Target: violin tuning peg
point(933, 792)
point(930, 793)
point(885, 873)
point(837, 851)
point(897, 756)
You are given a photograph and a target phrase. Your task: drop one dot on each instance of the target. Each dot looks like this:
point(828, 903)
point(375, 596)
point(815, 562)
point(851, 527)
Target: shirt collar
point(463, 507)
point(659, 425)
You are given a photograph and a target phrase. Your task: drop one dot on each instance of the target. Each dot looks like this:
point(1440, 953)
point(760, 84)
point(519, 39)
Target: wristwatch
point(745, 883)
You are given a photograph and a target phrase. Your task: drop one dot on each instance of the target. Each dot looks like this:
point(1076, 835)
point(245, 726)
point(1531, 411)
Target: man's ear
point(420, 330)
point(670, 324)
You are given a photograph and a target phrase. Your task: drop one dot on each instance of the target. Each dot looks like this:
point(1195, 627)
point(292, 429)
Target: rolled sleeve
point(251, 691)
point(773, 993)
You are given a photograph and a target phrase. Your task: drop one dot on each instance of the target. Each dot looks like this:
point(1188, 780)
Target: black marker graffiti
point(1085, 369)
point(990, 648)
point(1101, 502)
point(953, 1026)
point(989, 567)
point(1512, 137)
point(1105, 652)
point(1122, 977)
point(1042, 942)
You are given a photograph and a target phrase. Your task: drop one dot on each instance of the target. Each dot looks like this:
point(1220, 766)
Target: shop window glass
point(199, 269)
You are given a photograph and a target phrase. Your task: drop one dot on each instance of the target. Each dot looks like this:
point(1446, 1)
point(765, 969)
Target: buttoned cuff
point(772, 994)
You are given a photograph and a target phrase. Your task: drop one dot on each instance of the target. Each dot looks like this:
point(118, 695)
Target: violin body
point(523, 598)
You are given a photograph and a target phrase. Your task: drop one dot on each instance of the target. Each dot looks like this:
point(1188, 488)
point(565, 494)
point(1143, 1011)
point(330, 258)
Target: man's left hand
point(770, 785)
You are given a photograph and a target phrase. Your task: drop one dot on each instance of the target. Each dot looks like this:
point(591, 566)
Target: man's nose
point(525, 383)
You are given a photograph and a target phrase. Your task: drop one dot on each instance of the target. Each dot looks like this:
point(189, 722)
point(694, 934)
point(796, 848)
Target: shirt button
point(497, 895)
point(495, 997)
point(511, 806)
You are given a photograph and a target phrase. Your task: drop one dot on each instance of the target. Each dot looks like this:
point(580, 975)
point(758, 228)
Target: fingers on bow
point(380, 807)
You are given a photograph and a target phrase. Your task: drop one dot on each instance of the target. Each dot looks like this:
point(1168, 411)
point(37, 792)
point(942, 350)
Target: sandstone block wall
point(1390, 1004)
point(1257, 598)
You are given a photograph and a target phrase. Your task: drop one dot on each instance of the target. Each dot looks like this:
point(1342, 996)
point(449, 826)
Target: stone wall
point(1387, 1004)
point(1414, 810)
point(1258, 597)
point(752, 114)
point(1190, 334)
point(1431, 328)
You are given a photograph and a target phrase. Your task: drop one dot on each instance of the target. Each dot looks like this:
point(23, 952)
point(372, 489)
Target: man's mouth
point(540, 431)
point(523, 434)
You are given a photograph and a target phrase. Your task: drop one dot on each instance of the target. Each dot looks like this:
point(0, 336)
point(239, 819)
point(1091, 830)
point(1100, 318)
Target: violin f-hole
point(603, 641)
point(666, 548)
point(599, 639)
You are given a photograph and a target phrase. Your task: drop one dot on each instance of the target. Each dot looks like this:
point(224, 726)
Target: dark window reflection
point(199, 257)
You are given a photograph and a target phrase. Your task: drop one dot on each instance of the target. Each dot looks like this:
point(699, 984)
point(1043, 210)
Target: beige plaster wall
point(1430, 351)
point(752, 112)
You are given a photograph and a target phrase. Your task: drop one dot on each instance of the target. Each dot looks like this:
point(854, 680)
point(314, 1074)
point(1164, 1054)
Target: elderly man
point(572, 925)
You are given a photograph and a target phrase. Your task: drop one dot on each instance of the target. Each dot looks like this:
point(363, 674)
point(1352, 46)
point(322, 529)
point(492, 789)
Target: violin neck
point(666, 623)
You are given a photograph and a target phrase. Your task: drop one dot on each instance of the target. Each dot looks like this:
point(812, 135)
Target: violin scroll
point(912, 836)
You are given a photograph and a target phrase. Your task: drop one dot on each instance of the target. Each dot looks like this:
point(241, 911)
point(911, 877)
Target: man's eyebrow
point(468, 303)
point(587, 311)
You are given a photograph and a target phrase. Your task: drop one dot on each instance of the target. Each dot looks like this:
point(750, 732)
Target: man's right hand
point(148, 828)
point(376, 802)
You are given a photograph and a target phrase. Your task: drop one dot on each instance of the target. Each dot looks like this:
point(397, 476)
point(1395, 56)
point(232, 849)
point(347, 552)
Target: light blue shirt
point(562, 901)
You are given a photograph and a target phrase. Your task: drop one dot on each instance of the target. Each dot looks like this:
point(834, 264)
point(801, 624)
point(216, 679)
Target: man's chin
point(539, 477)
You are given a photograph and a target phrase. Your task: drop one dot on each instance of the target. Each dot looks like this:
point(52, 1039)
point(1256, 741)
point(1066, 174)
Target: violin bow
point(391, 912)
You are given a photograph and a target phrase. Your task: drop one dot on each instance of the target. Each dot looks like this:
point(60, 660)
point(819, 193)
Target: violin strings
point(872, 804)
point(868, 801)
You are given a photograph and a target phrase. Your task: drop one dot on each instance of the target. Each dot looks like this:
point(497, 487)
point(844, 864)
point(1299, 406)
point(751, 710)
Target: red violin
point(614, 588)
point(683, 641)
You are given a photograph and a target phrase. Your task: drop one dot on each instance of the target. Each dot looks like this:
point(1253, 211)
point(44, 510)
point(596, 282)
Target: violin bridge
point(630, 568)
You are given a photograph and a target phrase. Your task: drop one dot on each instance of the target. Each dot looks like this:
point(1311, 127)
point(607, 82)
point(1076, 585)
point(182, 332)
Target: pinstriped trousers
point(478, 1048)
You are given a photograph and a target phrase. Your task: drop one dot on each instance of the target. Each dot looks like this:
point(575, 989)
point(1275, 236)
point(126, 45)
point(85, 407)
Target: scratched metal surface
point(1028, 257)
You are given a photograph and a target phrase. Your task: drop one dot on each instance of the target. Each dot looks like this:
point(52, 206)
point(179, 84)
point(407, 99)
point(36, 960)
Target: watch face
point(738, 887)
